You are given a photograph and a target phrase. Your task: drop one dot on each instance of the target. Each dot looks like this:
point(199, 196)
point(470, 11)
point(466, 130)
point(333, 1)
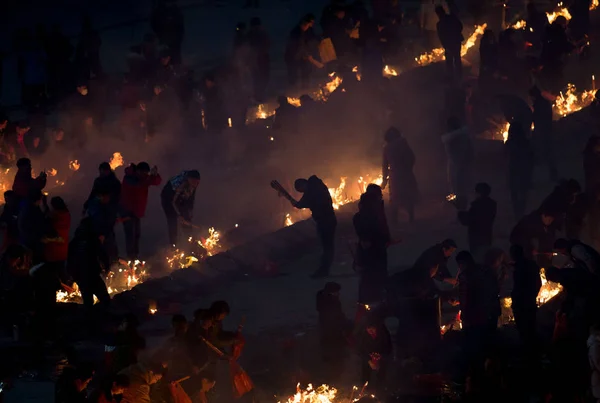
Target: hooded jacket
point(134, 192)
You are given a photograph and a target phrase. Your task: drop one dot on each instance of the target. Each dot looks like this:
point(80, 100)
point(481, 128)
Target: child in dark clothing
point(375, 349)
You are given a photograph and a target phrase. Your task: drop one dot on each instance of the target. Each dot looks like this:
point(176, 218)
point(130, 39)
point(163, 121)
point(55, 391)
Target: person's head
point(483, 189)
point(305, 25)
point(10, 197)
point(23, 127)
point(547, 217)
point(35, 196)
point(24, 164)
point(332, 288)
point(562, 246)
point(142, 169)
point(255, 22)
point(104, 169)
point(561, 21)
point(158, 88)
point(82, 89)
point(464, 260)
point(488, 37)
point(453, 123)
point(219, 310)
point(193, 178)
point(449, 247)
point(375, 191)
point(58, 204)
point(180, 324)
point(208, 382)
point(310, 18)
point(120, 382)
point(392, 134)
point(517, 254)
point(440, 11)
point(301, 185)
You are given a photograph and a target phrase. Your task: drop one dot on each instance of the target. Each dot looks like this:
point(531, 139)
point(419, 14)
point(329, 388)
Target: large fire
point(437, 54)
point(560, 12)
point(322, 394)
point(571, 101)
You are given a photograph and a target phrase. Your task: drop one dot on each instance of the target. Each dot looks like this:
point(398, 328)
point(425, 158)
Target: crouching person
point(141, 377)
point(375, 348)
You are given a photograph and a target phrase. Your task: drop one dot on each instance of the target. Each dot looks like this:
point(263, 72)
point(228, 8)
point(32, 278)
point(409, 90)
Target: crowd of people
point(41, 257)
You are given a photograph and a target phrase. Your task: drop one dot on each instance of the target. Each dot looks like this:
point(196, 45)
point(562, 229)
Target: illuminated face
point(82, 90)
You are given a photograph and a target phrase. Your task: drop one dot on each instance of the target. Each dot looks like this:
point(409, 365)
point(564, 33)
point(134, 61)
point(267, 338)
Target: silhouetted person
point(373, 234)
point(536, 22)
point(449, 30)
point(333, 324)
point(535, 234)
point(24, 183)
point(33, 225)
point(479, 219)
point(375, 348)
point(335, 28)
point(488, 58)
point(260, 44)
point(161, 112)
point(542, 131)
point(437, 256)
point(78, 112)
point(167, 24)
point(556, 45)
point(286, 116)
point(108, 181)
point(520, 168)
point(215, 117)
point(177, 200)
point(562, 197)
point(459, 153)
point(317, 199)
point(526, 287)
point(299, 51)
point(398, 164)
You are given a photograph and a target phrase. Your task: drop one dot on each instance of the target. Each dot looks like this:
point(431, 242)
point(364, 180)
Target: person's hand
point(43, 174)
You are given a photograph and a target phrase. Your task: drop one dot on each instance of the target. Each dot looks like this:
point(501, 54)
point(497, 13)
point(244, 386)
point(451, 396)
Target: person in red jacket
point(24, 182)
point(134, 199)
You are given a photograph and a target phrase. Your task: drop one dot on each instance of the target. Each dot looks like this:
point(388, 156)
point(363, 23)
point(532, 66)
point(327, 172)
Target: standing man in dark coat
point(299, 54)
point(260, 44)
point(316, 197)
point(542, 131)
point(24, 183)
point(397, 168)
point(479, 219)
point(449, 30)
point(520, 168)
point(373, 234)
point(167, 24)
point(526, 287)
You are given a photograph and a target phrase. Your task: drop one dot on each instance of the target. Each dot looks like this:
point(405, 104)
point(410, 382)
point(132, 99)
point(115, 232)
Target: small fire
point(322, 394)
point(294, 101)
point(323, 93)
point(504, 131)
point(116, 160)
point(229, 122)
point(339, 195)
point(455, 324)
point(570, 101)
point(451, 197)
point(52, 172)
point(549, 289)
point(358, 76)
point(521, 24)
point(210, 246)
point(437, 54)
point(562, 11)
point(389, 71)
point(261, 112)
point(74, 165)
point(595, 4)
point(288, 220)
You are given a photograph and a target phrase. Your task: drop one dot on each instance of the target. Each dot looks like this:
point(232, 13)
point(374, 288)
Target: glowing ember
point(294, 101)
point(358, 76)
point(595, 4)
point(229, 122)
point(562, 11)
point(549, 289)
point(179, 260)
point(570, 101)
point(52, 172)
point(451, 197)
point(322, 394)
point(437, 54)
point(504, 131)
point(288, 220)
point(74, 165)
point(389, 71)
point(116, 161)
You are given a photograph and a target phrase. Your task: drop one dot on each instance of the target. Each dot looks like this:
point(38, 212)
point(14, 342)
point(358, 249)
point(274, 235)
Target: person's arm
point(303, 202)
point(176, 195)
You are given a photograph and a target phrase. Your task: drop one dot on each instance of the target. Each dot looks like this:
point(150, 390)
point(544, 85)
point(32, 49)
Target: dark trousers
point(172, 220)
point(93, 285)
point(298, 73)
point(326, 231)
point(133, 232)
point(453, 61)
point(518, 197)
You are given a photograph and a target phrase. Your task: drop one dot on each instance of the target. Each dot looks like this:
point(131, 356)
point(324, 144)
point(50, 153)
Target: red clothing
point(61, 223)
point(134, 192)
